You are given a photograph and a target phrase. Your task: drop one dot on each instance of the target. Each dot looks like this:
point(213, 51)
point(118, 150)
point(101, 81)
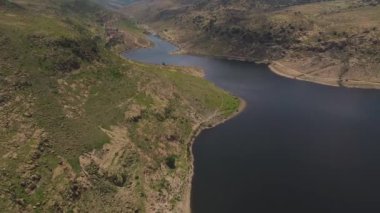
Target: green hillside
point(82, 129)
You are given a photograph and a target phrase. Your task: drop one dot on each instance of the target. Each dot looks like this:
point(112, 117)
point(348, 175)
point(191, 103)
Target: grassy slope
point(82, 128)
point(337, 40)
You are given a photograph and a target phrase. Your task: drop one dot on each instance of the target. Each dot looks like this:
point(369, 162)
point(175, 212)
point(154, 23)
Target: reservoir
point(298, 147)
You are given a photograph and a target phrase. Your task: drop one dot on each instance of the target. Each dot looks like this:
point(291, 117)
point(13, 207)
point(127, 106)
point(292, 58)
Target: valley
point(122, 105)
point(83, 129)
point(296, 147)
point(330, 42)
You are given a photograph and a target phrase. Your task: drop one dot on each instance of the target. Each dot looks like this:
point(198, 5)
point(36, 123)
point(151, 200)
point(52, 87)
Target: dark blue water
point(298, 146)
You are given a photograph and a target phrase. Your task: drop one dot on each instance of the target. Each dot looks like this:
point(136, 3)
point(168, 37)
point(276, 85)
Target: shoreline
point(275, 67)
point(186, 203)
point(279, 69)
point(182, 51)
point(287, 72)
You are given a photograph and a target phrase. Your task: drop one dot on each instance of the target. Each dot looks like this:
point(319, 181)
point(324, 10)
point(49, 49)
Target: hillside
point(84, 130)
point(330, 42)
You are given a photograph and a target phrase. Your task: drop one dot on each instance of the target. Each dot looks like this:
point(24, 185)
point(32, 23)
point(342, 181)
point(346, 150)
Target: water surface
point(298, 146)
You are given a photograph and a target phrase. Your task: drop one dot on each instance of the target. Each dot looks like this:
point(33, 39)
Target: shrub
point(170, 162)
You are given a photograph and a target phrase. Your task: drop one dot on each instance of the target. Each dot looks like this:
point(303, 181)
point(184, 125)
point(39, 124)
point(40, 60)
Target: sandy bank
point(288, 72)
point(285, 71)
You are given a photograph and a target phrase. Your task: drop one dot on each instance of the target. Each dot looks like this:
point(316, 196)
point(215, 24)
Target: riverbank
point(184, 51)
point(224, 109)
point(279, 68)
point(288, 72)
point(300, 64)
point(185, 206)
point(243, 155)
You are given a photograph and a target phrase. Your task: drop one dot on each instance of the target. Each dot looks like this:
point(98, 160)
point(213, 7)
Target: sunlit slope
point(83, 129)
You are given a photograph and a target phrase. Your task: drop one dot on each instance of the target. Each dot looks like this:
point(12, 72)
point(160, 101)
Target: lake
point(297, 147)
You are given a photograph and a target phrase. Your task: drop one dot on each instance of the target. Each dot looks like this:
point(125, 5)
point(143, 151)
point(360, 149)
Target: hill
point(330, 42)
point(82, 129)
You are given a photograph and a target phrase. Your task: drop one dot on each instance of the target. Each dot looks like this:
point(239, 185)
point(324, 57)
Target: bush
point(170, 162)
point(66, 64)
point(85, 48)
